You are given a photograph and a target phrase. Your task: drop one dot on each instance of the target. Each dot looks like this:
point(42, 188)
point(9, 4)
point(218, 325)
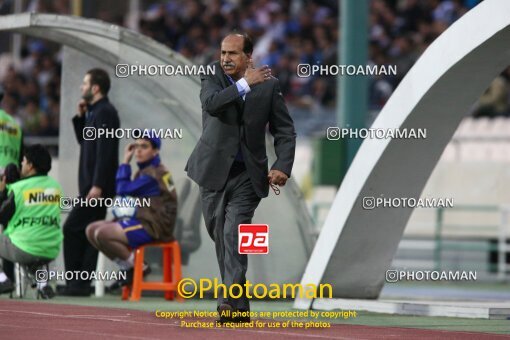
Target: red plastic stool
point(171, 258)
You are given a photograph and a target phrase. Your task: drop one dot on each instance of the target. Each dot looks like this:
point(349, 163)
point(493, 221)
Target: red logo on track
point(253, 239)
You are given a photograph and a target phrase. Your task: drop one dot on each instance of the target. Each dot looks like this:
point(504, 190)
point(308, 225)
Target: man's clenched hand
point(277, 177)
point(257, 75)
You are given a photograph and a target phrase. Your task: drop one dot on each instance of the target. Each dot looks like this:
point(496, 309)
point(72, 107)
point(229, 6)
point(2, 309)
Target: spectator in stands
point(305, 31)
point(34, 121)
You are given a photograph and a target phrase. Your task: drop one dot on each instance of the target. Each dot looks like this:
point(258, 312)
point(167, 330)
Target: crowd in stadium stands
point(32, 90)
point(287, 33)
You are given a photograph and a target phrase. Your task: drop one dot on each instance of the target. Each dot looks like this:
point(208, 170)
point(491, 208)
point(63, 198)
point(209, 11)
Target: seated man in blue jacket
point(117, 239)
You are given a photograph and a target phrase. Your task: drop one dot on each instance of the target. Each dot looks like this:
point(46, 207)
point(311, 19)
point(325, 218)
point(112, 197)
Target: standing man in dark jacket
point(229, 162)
point(98, 165)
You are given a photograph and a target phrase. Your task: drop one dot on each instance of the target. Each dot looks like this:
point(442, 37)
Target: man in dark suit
point(99, 159)
point(229, 162)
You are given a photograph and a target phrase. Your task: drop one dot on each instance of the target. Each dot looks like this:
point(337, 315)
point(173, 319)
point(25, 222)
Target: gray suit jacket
point(230, 123)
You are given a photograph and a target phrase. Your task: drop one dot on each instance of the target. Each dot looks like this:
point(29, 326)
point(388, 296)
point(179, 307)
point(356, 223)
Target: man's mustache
point(229, 64)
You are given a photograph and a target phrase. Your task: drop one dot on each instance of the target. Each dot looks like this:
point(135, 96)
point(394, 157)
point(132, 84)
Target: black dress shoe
point(7, 286)
point(45, 293)
point(225, 313)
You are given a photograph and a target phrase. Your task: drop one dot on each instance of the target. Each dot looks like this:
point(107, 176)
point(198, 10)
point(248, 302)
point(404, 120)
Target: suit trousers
point(223, 211)
point(79, 254)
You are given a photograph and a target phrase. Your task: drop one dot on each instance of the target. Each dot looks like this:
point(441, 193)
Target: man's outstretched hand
point(277, 177)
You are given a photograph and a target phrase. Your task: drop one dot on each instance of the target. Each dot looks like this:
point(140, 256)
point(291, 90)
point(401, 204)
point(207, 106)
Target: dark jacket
point(230, 123)
point(99, 158)
point(152, 180)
